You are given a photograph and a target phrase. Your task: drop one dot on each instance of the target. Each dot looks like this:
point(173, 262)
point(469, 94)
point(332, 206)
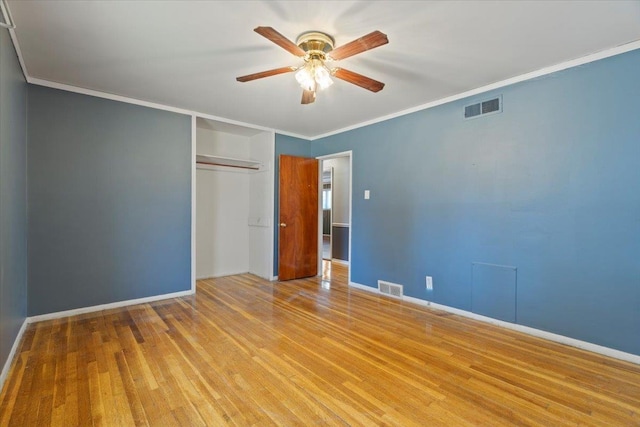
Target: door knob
point(282, 224)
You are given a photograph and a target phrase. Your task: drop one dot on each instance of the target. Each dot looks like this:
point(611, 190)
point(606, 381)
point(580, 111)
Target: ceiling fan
point(317, 51)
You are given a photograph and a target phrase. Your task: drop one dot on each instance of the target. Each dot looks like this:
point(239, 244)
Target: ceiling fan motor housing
point(315, 44)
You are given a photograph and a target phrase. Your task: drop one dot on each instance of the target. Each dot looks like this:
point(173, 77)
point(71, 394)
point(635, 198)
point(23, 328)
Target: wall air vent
point(391, 289)
point(482, 108)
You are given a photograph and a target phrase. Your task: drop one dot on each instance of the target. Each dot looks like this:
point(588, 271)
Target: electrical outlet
point(429, 281)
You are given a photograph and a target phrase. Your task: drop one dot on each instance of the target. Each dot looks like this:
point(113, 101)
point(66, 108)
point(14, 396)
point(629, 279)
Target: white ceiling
point(186, 54)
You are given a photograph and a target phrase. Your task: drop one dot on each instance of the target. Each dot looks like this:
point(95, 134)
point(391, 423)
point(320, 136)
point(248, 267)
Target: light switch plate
point(366, 194)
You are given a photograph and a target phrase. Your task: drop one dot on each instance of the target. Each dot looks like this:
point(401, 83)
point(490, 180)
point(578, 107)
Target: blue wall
point(13, 197)
point(550, 187)
point(109, 193)
point(294, 147)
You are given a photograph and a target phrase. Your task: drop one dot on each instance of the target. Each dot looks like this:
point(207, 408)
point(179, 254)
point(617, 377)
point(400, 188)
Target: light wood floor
point(309, 352)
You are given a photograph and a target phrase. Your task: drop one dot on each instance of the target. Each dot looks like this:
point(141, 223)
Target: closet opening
point(233, 199)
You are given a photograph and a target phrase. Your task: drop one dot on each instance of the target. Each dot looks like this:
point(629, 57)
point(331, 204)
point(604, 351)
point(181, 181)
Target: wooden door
point(298, 222)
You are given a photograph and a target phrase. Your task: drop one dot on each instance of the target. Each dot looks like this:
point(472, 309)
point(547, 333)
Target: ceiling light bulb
point(323, 77)
point(304, 78)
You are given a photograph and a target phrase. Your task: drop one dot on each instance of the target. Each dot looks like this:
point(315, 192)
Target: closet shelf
point(205, 161)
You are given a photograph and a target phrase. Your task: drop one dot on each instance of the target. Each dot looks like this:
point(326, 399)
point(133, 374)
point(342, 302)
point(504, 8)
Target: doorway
point(334, 210)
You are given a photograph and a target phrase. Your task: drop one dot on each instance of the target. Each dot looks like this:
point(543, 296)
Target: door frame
point(330, 211)
point(321, 159)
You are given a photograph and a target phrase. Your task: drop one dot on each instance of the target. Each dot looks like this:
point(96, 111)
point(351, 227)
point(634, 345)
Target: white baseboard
point(222, 274)
point(67, 313)
point(561, 339)
point(340, 261)
point(76, 311)
point(12, 353)
point(364, 288)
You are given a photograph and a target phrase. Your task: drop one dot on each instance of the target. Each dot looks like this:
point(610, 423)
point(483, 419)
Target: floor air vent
point(483, 108)
point(391, 289)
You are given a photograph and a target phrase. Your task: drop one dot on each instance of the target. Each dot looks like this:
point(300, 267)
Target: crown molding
point(618, 50)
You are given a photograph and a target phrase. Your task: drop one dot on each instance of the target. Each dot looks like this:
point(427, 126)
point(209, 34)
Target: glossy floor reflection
point(246, 351)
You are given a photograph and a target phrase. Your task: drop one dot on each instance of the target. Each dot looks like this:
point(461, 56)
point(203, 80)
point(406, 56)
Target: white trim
point(225, 274)
point(12, 353)
point(618, 50)
point(272, 207)
point(561, 339)
point(364, 287)
point(16, 46)
point(134, 101)
point(74, 312)
point(339, 224)
point(335, 155)
point(233, 122)
point(350, 212)
point(194, 132)
point(94, 308)
point(105, 95)
point(294, 135)
point(332, 173)
point(6, 16)
point(340, 261)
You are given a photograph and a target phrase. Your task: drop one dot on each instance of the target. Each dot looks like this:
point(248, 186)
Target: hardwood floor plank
point(70, 406)
point(135, 406)
point(248, 352)
point(12, 387)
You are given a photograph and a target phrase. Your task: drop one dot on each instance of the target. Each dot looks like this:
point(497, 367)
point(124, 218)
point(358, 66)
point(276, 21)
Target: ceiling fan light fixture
point(314, 74)
point(305, 78)
point(323, 77)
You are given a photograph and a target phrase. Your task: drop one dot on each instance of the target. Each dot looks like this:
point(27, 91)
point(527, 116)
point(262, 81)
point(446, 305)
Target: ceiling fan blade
point(268, 73)
point(358, 79)
point(308, 96)
point(280, 40)
point(364, 43)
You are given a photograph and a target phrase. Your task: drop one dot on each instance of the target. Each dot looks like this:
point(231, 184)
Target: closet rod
point(228, 166)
